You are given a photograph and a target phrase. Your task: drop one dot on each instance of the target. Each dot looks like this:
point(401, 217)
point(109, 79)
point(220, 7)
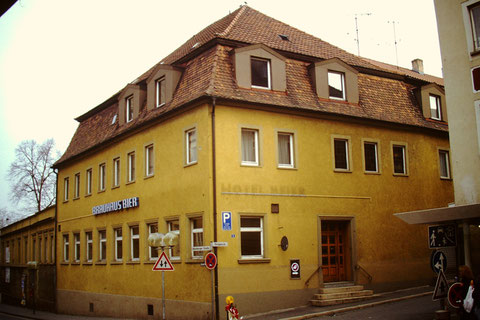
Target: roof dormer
point(334, 79)
point(257, 66)
point(130, 101)
point(161, 85)
point(431, 98)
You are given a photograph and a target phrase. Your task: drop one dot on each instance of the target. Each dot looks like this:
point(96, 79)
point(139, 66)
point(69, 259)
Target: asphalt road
point(422, 308)
point(4, 316)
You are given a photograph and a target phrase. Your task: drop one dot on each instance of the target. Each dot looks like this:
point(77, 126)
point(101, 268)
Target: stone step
point(339, 295)
point(331, 302)
point(340, 289)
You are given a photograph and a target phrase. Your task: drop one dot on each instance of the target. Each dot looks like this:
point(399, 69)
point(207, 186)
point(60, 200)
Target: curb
point(357, 307)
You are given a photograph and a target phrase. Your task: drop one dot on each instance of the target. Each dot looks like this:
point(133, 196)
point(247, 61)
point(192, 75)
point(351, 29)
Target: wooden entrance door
point(333, 250)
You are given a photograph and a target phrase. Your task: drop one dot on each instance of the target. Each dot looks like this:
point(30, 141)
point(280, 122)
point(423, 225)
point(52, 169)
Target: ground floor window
point(102, 248)
point(152, 252)
point(66, 248)
point(134, 243)
point(251, 234)
point(118, 244)
point(196, 227)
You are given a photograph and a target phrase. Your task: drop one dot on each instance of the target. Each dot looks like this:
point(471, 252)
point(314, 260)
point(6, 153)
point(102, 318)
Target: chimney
point(417, 65)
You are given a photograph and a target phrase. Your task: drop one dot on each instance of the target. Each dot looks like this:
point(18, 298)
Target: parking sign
point(226, 220)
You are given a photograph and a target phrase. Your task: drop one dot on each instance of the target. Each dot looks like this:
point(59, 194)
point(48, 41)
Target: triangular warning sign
point(163, 264)
point(441, 288)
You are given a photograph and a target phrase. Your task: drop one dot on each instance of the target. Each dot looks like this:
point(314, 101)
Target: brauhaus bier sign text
point(116, 206)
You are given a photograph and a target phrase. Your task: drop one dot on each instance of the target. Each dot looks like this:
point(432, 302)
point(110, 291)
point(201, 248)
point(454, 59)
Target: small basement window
point(260, 73)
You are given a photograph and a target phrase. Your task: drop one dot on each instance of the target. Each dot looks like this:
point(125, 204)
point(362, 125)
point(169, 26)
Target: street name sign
point(442, 236)
point(441, 288)
point(438, 261)
point(163, 263)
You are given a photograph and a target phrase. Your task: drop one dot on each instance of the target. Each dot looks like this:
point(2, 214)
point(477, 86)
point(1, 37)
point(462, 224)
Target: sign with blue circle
point(438, 261)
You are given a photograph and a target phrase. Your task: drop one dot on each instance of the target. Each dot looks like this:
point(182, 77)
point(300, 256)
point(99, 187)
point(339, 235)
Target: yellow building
point(28, 261)
point(291, 154)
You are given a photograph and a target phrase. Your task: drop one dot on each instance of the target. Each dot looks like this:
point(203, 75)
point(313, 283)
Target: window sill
point(65, 201)
point(446, 178)
point(249, 165)
point(148, 177)
point(116, 263)
point(88, 195)
point(375, 173)
point(475, 53)
point(101, 191)
point(130, 182)
point(400, 175)
point(76, 263)
point(190, 164)
point(133, 262)
point(115, 187)
point(342, 170)
point(286, 168)
point(76, 198)
point(101, 263)
point(252, 261)
point(88, 263)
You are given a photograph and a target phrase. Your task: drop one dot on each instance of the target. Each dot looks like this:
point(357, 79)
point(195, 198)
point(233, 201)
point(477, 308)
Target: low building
point(27, 269)
point(290, 152)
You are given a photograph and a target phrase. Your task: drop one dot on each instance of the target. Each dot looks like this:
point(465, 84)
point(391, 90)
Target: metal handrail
point(311, 276)
point(369, 276)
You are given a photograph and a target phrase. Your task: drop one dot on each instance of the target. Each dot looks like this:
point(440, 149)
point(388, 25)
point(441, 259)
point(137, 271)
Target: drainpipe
point(214, 182)
point(55, 246)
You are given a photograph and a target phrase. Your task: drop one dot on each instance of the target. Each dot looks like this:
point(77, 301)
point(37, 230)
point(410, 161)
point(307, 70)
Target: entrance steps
point(340, 293)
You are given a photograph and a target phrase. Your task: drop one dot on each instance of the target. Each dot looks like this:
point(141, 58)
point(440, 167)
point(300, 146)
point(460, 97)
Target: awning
point(464, 213)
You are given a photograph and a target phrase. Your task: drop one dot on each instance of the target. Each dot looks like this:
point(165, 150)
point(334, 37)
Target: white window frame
point(134, 237)
point(149, 150)
point(76, 239)
point(66, 248)
point(446, 155)
point(438, 106)
point(129, 109)
point(347, 154)
point(194, 231)
point(177, 232)
point(66, 188)
point(253, 229)
point(101, 241)
point(151, 250)
point(131, 167)
point(404, 158)
point(256, 161)
point(375, 144)
point(88, 246)
point(118, 239)
point(269, 73)
point(158, 92)
point(191, 149)
point(291, 150)
point(116, 172)
point(76, 191)
point(102, 176)
point(88, 186)
point(342, 80)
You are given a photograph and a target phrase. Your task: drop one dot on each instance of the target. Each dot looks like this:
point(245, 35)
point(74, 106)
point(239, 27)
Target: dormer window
point(260, 73)
point(129, 109)
point(336, 85)
point(160, 92)
point(435, 107)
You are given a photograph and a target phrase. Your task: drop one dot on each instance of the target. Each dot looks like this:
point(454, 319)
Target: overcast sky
point(61, 58)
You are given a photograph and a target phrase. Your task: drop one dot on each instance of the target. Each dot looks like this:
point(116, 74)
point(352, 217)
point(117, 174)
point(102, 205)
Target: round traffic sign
point(455, 295)
point(295, 267)
point(438, 261)
point(210, 261)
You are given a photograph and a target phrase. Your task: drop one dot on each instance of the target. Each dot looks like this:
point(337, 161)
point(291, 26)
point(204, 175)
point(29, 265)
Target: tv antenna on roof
point(356, 29)
point(395, 39)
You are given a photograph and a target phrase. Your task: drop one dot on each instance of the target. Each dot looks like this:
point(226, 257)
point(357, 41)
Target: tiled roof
point(211, 73)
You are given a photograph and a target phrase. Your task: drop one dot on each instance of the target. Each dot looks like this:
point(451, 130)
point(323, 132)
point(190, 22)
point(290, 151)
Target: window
point(336, 85)
point(250, 147)
point(116, 172)
point(260, 69)
point(89, 182)
point(474, 11)
point(191, 146)
point(66, 248)
point(196, 227)
point(65, 189)
point(131, 167)
point(89, 246)
point(118, 244)
point(39, 248)
point(76, 238)
point(152, 252)
point(76, 192)
point(134, 243)
point(160, 92)
point(251, 234)
point(435, 107)
point(285, 150)
point(174, 227)
point(52, 249)
point(340, 147)
point(129, 109)
point(370, 154)
point(444, 164)
point(101, 177)
point(149, 161)
point(34, 249)
point(399, 160)
point(102, 247)
point(25, 253)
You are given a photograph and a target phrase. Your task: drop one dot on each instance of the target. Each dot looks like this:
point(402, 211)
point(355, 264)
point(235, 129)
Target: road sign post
point(210, 264)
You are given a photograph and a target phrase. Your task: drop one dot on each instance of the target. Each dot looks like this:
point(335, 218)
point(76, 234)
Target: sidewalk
point(308, 312)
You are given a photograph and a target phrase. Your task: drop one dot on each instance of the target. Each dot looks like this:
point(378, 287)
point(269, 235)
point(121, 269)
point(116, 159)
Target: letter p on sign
point(226, 220)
